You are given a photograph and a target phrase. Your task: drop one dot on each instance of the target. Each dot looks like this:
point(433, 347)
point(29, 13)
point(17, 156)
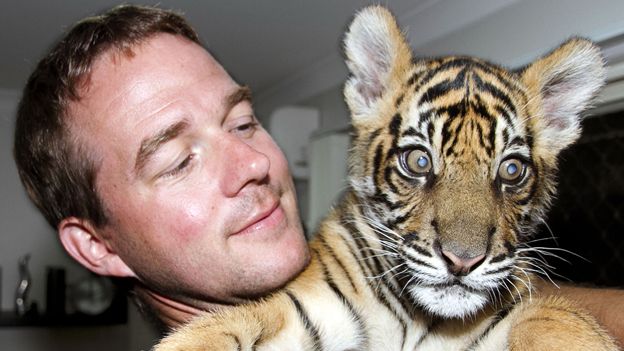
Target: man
point(146, 156)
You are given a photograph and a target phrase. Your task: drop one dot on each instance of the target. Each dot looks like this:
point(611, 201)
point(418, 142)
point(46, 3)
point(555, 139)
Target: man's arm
point(607, 305)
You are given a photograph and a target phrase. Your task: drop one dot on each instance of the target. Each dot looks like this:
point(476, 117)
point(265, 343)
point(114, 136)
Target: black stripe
point(374, 135)
point(482, 139)
point(310, 328)
point(414, 77)
point(500, 270)
point(421, 250)
point(397, 221)
point(531, 193)
point(447, 64)
point(430, 131)
point(384, 300)
point(388, 179)
point(502, 314)
point(425, 117)
point(354, 314)
point(449, 137)
point(377, 163)
point(374, 267)
point(381, 297)
point(421, 263)
point(362, 246)
point(431, 73)
point(399, 100)
point(498, 258)
point(412, 132)
point(378, 269)
point(395, 125)
point(444, 87)
point(502, 112)
point(467, 63)
point(511, 86)
point(367, 267)
point(333, 255)
point(529, 136)
point(511, 249)
point(454, 111)
point(494, 70)
point(382, 198)
point(495, 92)
point(436, 91)
point(413, 236)
point(492, 136)
point(505, 136)
point(516, 141)
point(401, 219)
point(481, 109)
point(350, 227)
point(407, 308)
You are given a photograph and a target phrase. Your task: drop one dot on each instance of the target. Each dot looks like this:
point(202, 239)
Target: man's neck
point(170, 312)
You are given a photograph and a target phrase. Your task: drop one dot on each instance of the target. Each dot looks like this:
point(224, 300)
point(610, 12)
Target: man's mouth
point(263, 219)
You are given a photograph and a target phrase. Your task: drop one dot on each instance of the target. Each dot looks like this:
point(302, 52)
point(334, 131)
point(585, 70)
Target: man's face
point(200, 199)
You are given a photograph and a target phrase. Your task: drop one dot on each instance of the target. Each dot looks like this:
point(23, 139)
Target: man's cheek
point(189, 221)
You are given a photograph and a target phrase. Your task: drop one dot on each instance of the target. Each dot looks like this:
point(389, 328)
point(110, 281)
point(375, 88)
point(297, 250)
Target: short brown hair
point(57, 172)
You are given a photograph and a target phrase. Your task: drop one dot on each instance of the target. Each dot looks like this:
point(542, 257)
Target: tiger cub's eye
point(417, 162)
point(511, 170)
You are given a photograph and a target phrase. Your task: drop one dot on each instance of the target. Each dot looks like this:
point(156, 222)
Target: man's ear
point(83, 243)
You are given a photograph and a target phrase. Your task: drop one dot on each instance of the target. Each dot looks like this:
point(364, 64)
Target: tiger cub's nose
point(460, 266)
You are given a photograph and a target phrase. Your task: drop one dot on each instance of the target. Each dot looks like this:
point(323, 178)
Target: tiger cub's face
point(456, 158)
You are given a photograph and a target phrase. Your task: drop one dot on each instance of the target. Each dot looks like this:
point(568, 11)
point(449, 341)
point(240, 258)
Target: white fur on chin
point(449, 302)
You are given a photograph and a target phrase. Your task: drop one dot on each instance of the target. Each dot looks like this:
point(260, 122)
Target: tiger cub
point(452, 167)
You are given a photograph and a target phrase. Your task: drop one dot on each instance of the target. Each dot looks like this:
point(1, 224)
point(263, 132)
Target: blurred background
point(289, 53)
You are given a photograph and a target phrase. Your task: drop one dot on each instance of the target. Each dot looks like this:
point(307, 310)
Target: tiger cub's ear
point(562, 84)
point(377, 54)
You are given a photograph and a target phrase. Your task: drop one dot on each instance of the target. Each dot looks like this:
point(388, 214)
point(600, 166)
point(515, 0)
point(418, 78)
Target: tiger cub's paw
point(198, 341)
point(555, 324)
point(206, 332)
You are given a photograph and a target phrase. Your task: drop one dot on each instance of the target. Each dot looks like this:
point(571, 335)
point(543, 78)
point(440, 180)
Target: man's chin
point(453, 301)
point(275, 268)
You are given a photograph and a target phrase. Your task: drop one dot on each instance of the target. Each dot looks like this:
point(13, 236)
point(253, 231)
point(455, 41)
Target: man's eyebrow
point(243, 93)
point(150, 145)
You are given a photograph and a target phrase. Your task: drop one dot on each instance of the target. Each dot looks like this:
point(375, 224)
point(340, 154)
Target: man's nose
point(242, 165)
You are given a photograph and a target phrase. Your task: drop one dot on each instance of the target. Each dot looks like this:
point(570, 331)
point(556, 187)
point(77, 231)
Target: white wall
point(23, 230)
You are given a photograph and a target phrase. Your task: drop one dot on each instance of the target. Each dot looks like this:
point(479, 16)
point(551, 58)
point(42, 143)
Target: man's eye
point(245, 130)
point(247, 126)
point(181, 167)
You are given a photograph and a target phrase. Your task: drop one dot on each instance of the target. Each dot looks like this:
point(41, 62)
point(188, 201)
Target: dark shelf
point(116, 314)
point(10, 319)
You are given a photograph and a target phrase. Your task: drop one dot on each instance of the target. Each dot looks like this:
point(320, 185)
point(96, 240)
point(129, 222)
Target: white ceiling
point(289, 50)
point(259, 42)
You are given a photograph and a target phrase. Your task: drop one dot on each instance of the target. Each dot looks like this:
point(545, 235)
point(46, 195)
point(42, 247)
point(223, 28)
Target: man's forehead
point(124, 92)
point(124, 81)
